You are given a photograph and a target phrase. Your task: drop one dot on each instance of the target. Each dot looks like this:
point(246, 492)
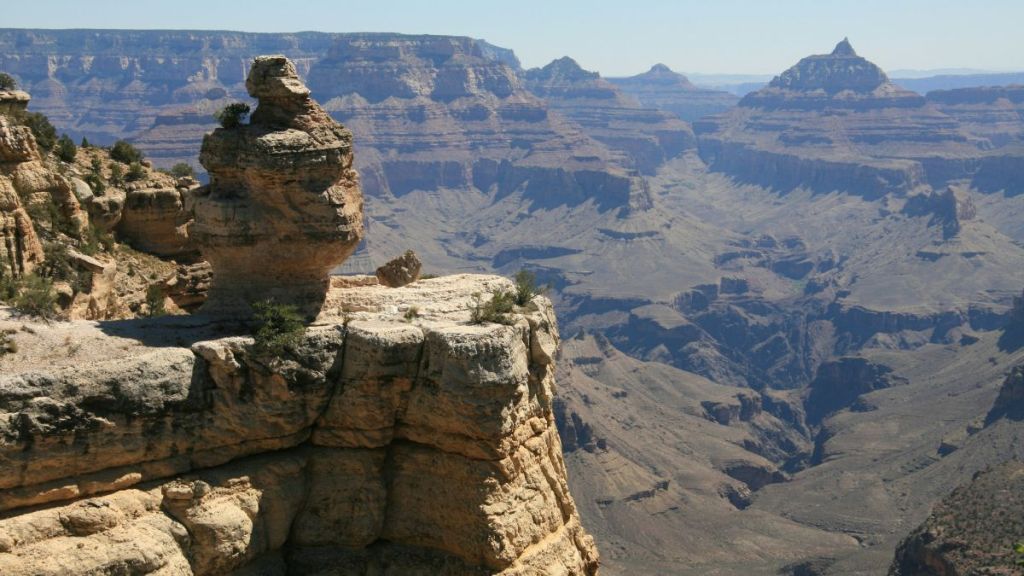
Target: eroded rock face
point(970, 531)
point(380, 446)
point(663, 89)
point(283, 206)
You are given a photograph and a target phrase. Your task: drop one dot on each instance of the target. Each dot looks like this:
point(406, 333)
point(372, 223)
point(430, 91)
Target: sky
point(616, 38)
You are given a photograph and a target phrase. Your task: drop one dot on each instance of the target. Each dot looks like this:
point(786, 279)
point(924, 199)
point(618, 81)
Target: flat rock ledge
point(396, 439)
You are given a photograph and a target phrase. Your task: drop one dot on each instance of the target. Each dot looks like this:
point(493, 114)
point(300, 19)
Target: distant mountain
point(664, 89)
point(836, 121)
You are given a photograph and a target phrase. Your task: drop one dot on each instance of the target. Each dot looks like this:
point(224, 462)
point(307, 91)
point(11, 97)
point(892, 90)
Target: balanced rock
point(283, 206)
point(400, 271)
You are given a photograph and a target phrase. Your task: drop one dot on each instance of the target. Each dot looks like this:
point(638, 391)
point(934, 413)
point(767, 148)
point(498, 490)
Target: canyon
point(784, 316)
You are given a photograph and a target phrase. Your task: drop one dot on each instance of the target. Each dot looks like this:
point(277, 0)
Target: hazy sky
point(614, 37)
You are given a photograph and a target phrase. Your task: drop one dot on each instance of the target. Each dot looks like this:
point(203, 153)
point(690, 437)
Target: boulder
point(400, 271)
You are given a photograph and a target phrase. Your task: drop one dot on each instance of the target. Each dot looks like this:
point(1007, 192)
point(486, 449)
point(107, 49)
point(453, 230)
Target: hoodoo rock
point(283, 206)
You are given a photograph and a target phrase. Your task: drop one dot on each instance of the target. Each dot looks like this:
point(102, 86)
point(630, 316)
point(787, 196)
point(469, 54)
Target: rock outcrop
point(400, 271)
point(972, 531)
point(283, 206)
point(20, 249)
point(663, 89)
point(836, 122)
point(646, 137)
point(376, 444)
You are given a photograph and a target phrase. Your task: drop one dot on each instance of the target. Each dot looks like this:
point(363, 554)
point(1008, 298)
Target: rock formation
point(20, 249)
point(426, 447)
point(646, 137)
point(283, 206)
point(972, 531)
point(663, 89)
point(836, 122)
point(400, 271)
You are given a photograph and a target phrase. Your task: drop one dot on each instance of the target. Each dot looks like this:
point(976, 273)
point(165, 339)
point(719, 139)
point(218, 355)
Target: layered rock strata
point(646, 137)
point(283, 206)
point(377, 445)
point(836, 122)
point(663, 89)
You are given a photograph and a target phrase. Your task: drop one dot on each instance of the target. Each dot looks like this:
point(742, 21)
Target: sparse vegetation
point(526, 287)
point(182, 170)
point(97, 240)
point(276, 328)
point(495, 309)
point(232, 115)
point(125, 153)
point(44, 132)
point(116, 174)
point(36, 296)
point(1018, 549)
point(155, 301)
point(85, 143)
point(135, 172)
point(7, 82)
point(411, 314)
point(66, 149)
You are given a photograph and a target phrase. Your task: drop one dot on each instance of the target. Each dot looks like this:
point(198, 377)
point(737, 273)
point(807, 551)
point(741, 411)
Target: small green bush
point(412, 313)
point(96, 183)
point(526, 287)
point(155, 301)
point(7, 82)
point(116, 174)
point(125, 153)
point(66, 149)
point(276, 328)
point(36, 297)
point(7, 345)
point(44, 132)
point(135, 172)
point(182, 169)
point(232, 115)
point(497, 309)
point(97, 240)
point(85, 143)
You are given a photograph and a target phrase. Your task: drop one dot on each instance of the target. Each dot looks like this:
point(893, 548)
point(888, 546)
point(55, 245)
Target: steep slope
point(969, 532)
point(663, 89)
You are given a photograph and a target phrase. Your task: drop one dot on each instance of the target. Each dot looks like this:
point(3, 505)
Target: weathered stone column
point(283, 206)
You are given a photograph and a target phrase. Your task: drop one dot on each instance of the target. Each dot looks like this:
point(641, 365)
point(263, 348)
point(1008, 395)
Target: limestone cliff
point(378, 445)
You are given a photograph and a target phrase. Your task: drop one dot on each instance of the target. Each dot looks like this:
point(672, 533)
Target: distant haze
point(614, 38)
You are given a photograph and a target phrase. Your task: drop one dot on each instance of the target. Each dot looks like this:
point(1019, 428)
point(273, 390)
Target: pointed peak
point(844, 48)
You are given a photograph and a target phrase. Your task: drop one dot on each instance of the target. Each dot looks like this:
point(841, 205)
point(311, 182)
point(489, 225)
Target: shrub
point(155, 301)
point(276, 328)
point(36, 296)
point(97, 240)
point(47, 217)
point(66, 149)
point(496, 309)
point(85, 143)
point(7, 82)
point(412, 313)
point(135, 172)
point(44, 132)
point(232, 115)
point(526, 287)
point(182, 169)
point(7, 346)
point(125, 153)
point(96, 183)
point(116, 174)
